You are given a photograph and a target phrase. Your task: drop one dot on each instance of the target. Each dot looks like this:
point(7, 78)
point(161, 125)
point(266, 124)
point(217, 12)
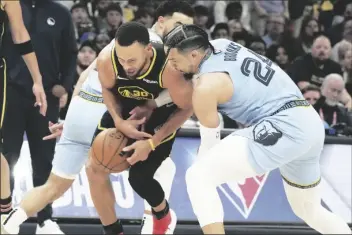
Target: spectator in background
point(311, 93)
point(264, 10)
point(278, 54)
point(242, 38)
point(54, 43)
point(100, 13)
point(113, 18)
point(235, 26)
point(257, 45)
point(297, 14)
point(345, 60)
point(309, 30)
point(145, 17)
point(346, 40)
point(233, 11)
point(201, 17)
point(329, 106)
point(86, 55)
point(102, 40)
point(220, 30)
point(224, 11)
point(79, 14)
point(86, 30)
point(335, 33)
point(275, 29)
point(313, 67)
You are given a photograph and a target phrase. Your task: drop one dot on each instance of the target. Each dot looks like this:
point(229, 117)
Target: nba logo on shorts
point(244, 194)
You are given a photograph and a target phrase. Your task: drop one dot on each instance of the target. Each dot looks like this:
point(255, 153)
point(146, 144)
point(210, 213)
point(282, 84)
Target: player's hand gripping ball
point(106, 149)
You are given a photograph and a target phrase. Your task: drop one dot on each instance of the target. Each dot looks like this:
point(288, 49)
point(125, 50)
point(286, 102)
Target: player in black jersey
point(11, 11)
point(130, 75)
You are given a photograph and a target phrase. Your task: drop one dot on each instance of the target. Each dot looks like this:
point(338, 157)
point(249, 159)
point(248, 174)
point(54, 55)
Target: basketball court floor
point(69, 226)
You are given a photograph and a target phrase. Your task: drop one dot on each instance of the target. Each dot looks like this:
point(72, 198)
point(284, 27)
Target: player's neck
point(157, 29)
point(148, 63)
point(204, 56)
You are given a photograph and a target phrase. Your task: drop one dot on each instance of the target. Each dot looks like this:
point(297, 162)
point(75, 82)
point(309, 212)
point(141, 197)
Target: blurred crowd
point(310, 39)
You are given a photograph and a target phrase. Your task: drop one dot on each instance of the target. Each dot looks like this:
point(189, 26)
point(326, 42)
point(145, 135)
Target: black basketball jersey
point(135, 92)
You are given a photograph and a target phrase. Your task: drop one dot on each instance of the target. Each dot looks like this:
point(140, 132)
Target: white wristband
point(209, 138)
point(163, 98)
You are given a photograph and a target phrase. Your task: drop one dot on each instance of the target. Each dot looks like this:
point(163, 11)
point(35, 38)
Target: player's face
point(133, 58)
point(186, 63)
point(169, 23)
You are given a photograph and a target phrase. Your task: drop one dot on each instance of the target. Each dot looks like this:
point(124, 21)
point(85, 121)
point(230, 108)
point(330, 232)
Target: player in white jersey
point(84, 113)
point(283, 131)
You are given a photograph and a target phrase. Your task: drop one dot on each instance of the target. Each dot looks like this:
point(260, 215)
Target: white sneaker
point(49, 227)
point(3, 230)
point(147, 224)
point(173, 223)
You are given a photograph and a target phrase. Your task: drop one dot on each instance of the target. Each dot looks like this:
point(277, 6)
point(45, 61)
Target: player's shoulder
point(221, 43)
point(209, 81)
point(160, 53)
point(105, 55)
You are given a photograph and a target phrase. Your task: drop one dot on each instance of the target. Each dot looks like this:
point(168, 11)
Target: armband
point(209, 138)
point(163, 98)
point(25, 48)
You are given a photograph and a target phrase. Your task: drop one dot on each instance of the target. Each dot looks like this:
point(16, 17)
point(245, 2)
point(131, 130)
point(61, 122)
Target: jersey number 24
point(263, 77)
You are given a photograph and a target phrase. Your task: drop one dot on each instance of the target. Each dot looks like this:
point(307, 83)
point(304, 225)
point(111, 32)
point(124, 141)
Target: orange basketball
point(106, 149)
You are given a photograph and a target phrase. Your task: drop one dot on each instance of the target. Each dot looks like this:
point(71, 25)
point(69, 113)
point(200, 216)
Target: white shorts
point(82, 118)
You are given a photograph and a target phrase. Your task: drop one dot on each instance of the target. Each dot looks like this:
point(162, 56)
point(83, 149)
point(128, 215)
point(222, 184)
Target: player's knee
point(139, 179)
point(94, 172)
point(304, 208)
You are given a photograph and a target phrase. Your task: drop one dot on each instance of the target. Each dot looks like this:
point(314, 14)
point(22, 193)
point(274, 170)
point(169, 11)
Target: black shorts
point(2, 96)
point(157, 119)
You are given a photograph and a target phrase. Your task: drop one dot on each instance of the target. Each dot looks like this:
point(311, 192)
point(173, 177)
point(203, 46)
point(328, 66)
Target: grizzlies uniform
point(136, 92)
point(2, 72)
point(82, 117)
point(84, 113)
point(284, 130)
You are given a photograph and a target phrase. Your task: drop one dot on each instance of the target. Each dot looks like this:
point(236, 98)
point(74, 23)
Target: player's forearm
point(176, 120)
point(112, 105)
point(83, 78)
point(32, 65)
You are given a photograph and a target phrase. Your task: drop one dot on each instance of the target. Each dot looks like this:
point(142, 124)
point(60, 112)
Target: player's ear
point(149, 47)
point(161, 23)
point(194, 53)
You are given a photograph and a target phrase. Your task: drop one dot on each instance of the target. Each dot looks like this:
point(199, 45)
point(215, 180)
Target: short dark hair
point(187, 37)
point(310, 88)
point(114, 7)
point(200, 10)
point(169, 7)
point(131, 32)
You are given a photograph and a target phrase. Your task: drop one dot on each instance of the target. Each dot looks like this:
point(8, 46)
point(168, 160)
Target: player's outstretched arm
point(205, 101)
point(23, 43)
point(83, 77)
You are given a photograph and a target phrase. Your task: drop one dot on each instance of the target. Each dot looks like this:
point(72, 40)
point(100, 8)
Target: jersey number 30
point(263, 77)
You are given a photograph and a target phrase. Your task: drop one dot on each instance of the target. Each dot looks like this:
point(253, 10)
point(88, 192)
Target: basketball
point(106, 149)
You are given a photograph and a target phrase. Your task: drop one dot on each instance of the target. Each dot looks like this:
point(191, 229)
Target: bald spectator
point(330, 108)
point(313, 67)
